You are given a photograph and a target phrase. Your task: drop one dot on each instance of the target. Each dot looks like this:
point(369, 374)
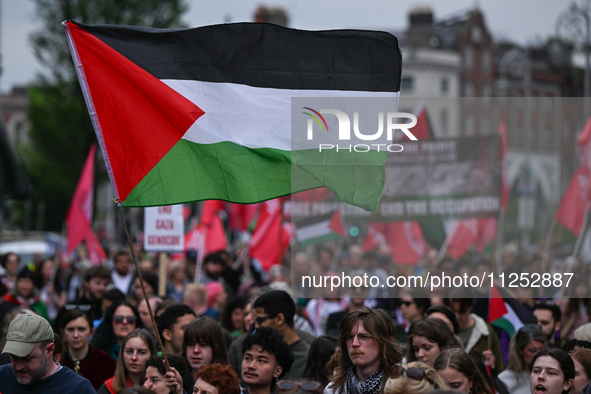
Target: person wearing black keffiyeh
point(369, 337)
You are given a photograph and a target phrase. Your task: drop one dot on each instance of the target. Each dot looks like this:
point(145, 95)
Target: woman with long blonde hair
point(413, 378)
point(525, 344)
point(137, 348)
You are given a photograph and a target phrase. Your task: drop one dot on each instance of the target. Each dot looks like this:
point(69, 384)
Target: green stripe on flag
point(318, 240)
point(505, 325)
point(231, 172)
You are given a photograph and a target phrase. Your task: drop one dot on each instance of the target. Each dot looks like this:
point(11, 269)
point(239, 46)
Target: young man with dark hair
point(95, 282)
point(474, 331)
point(276, 309)
point(171, 327)
point(266, 359)
point(122, 275)
point(548, 315)
point(369, 349)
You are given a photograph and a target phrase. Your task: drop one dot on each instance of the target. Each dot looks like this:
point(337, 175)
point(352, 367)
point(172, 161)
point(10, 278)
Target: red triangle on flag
point(336, 224)
point(496, 308)
point(138, 116)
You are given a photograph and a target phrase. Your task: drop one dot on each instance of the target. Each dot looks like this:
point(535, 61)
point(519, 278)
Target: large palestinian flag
point(195, 114)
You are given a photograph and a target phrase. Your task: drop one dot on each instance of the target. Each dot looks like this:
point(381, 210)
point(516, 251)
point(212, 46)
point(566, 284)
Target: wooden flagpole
point(139, 275)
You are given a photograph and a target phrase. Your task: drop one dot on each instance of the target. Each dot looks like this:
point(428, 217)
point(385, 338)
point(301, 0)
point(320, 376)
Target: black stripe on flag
point(262, 55)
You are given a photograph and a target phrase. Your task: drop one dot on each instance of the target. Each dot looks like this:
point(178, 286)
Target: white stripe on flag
point(512, 317)
point(250, 116)
point(312, 231)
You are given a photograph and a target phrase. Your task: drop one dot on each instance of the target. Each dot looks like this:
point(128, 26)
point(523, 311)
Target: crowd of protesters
point(232, 330)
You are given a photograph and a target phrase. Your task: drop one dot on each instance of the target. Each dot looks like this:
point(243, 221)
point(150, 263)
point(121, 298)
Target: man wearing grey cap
point(29, 342)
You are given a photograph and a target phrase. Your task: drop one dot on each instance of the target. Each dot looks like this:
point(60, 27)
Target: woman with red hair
point(216, 379)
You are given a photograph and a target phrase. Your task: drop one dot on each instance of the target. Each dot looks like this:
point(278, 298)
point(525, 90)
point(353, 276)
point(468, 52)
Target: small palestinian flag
point(320, 229)
point(186, 115)
point(506, 313)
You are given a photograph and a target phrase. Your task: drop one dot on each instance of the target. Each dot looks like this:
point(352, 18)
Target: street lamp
point(517, 62)
point(575, 23)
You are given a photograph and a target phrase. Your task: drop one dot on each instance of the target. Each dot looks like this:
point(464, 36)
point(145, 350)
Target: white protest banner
point(164, 229)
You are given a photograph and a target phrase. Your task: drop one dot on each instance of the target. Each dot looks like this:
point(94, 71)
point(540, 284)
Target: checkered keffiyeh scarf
point(371, 386)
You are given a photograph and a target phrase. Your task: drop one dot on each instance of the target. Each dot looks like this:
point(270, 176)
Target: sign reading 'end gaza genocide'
point(164, 229)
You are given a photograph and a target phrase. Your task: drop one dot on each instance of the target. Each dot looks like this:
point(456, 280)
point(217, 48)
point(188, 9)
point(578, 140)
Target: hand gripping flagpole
point(139, 275)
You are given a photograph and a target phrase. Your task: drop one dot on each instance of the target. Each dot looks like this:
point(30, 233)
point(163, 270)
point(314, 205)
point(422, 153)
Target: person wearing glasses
point(276, 309)
point(460, 373)
point(368, 350)
point(136, 348)
point(79, 355)
point(413, 303)
point(203, 344)
point(525, 344)
point(413, 378)
point(266, 359)
point(120, 319)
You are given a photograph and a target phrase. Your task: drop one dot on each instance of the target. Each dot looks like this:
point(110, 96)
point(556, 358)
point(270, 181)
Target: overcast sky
point(523, 21)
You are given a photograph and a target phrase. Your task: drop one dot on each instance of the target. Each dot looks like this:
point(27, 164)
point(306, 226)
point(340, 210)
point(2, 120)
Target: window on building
point(547, 137)
point(484, 125)
point(476, 34)
point(468, 57)
point(567, 130)
point(486, 90)
point(444, 85)
point(406, 84)
point(443, 121)
point(485, 60)
point(468, 125)
point(468, 89)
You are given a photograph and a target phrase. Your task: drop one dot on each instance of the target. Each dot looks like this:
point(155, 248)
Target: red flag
point(422, 130)
point(269, 239)
point(463, 234)
point(241, 215)
point(406, 241)
point(96, 253)
point(572, 206)
point(375, 236)
point(79, 216)
point(505, 187)
point(336, 224)
point(496, 306)
point(467, 232)
point(215, 237)
point(209, 210)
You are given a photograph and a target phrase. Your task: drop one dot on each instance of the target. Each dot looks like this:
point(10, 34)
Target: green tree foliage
point(61, 131)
